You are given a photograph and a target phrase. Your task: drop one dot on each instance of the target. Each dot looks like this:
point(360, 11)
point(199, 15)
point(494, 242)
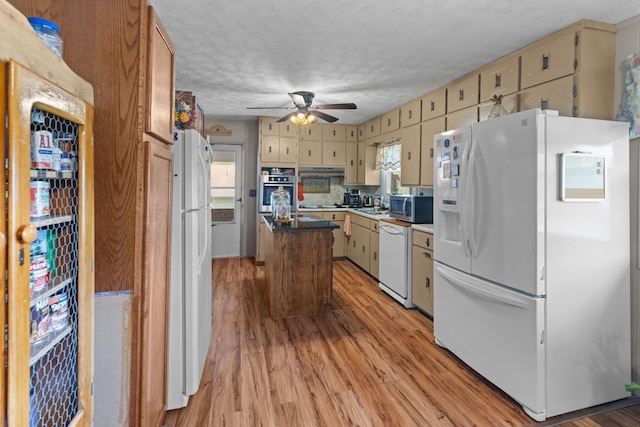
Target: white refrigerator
point(190, 294)
point(531, 273)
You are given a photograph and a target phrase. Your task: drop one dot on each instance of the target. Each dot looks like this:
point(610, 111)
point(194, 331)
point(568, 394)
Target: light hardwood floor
point(366, 361)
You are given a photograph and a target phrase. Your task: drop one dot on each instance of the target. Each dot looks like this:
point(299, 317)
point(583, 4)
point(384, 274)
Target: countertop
point(427, 228)
point(300, 222)
point(345, 210)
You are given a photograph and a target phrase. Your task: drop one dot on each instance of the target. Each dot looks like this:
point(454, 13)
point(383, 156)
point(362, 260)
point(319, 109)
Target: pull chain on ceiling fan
point(307, 113)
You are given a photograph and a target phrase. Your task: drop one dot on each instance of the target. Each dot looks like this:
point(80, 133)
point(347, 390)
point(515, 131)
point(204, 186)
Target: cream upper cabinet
point(310, 153)
point(372, 128)
point(332, 132)
point(288, 129)
point(511, 103)
point(333, 153)
point(499, 78)
point(463, 93)
point(367, 173)
point(352, 133)
point(390, 121)
point(462, 118)
point(274, 149)
point(269, 126)
point(429, 129)
point(410, 113)
point(434, 104)
point(362, 132)
point(351, 163)
point(410, 155)
point(553, 95)
point(548, 60)
point(311, 133)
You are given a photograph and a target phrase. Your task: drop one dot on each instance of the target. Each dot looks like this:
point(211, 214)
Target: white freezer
point(518, 369)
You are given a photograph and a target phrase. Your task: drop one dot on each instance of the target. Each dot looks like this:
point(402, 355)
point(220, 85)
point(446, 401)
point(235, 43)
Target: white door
point(226, 200)
point(506, 201)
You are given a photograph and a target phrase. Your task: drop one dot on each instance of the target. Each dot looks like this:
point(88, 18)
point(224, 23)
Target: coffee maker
point(355, 201)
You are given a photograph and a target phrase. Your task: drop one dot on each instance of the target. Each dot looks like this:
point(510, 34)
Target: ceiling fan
point(307, 113)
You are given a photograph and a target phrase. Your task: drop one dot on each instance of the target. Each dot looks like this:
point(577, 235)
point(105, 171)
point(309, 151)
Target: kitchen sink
point(371, 211)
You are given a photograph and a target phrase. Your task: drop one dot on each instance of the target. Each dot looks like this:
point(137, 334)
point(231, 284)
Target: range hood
point(321, 171)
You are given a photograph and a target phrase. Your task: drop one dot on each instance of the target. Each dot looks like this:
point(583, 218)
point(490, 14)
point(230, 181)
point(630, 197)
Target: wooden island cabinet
point(298, 265)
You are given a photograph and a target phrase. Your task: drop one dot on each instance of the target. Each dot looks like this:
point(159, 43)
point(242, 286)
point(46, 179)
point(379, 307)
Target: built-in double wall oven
point(270, 180)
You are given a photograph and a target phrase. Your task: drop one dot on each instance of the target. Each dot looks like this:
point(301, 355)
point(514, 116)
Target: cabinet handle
point(270, 126)
point(428, 242)
point(360, 163)
point(334, 132)
point(334, 153)
point(461, 95)
point(410, 114)
point(545, 62)
point(431, 152)
point(388, 122)
point(426, 254)
point(27, 233)
point(363, 248)
point(375, 256)
point(269, 149)
point(354, 244)
point(309, 153)
point(351, 133)
point(287, 150)
point(543, 104)
point(351, 161)
point(433, 106)
point(498, 80)
point(409, 155)
point(287, 128)
point(428, 283)
point(371, 128)
point(333, 216)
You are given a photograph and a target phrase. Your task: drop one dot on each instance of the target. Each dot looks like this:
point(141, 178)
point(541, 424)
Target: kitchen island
point(298, 265)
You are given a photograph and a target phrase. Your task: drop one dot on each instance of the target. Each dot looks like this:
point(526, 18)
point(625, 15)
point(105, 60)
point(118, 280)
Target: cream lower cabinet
point(260, 244)
point(423, 271)
point(374, 249)
point(339, 238)
point(358, 245)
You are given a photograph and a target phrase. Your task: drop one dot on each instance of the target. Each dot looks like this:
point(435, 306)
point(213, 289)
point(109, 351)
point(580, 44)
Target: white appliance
point(396, 261)
point(532, 257)
point(190, 294)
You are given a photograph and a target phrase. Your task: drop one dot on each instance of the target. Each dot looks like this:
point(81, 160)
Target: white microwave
point(409, 208)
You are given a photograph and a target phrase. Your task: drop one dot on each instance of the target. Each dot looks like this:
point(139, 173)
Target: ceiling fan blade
point(287, 117)
point(324, 116)
point(270, 108)
point(345, 106)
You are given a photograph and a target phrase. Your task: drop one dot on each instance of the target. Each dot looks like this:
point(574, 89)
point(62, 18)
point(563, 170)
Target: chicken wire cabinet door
point(50, 255)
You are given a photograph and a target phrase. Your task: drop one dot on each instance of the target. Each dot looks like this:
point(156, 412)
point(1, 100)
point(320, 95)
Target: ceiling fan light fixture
point(303, 119)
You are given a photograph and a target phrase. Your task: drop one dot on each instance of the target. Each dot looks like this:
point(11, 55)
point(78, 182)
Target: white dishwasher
point(395, 261)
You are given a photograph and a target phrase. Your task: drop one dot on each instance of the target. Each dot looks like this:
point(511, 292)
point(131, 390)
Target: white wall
point(112, 364)
point(628, 43)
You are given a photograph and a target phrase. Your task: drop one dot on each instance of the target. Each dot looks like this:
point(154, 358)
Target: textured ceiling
point(378, 54)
